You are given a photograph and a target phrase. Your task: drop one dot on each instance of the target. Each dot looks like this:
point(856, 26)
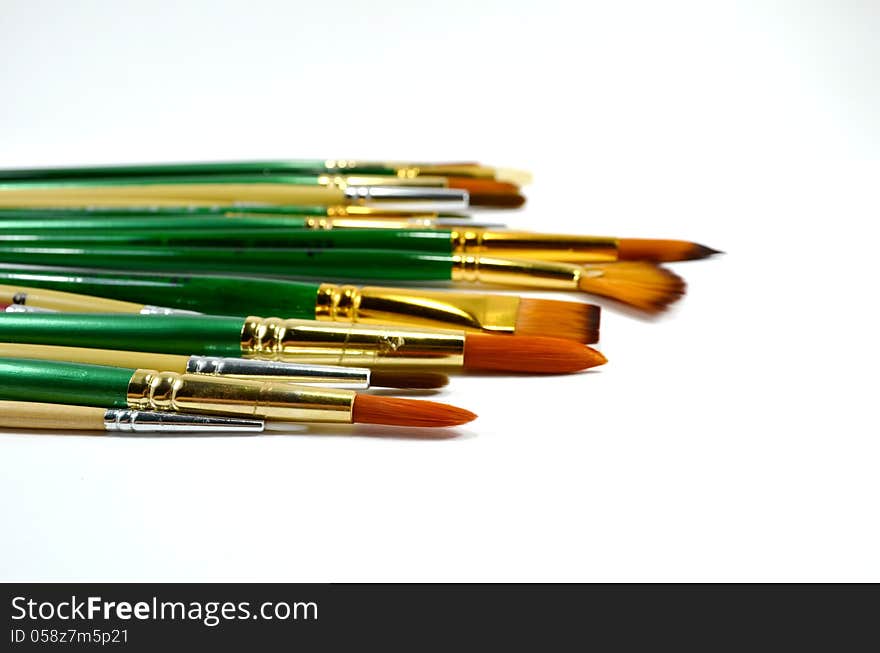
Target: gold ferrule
point(310, 341)
point(535, 246)
point(358, 211)
point(370, 223)
point(426, 308)
point(344, 181)
point(195, 393)
point(545, 275)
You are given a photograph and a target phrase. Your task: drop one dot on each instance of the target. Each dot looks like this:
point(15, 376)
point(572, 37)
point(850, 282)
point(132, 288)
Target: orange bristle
point(527, 354)
point(558, 319)
point(393, 411)
point(407, 379)
point(643, 285)
point(478, 185)
point(497, 200)
point(646, 249)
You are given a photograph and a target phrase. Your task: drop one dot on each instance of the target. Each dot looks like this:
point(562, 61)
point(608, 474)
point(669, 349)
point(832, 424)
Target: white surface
point(734, 439)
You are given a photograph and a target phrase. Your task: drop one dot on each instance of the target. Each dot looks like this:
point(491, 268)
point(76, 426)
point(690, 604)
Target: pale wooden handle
point(272, 193)
point(111, 357)
point(32, 415)
point(57, 300)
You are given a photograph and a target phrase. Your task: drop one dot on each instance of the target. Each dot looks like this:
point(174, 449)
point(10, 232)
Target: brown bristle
point(497, 200)
point(527, 354)
point(407, 379)
point(393, 411)
point(646, 249)
point(478, 185)
point(558, 319)
point(645, 286)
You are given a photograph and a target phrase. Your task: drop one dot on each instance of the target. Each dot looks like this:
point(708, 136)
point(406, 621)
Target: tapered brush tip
point(558, 319)
point(534, 354)
point(497, 200)
point(661, 251)
point(394, 411)
point(408, 379)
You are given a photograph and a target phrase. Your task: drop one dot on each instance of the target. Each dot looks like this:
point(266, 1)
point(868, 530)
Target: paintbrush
point(143, 389)
point(642, 285)
point(152, 294)
point(331, 376)
point(458, 239)
point(119, 421)
point(399, 169)
point(301, 341)
point(303, 190)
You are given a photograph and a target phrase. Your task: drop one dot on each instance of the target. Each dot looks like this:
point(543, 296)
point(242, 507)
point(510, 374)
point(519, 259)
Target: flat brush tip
point(536, 354)
point(558, 319)
point(394, 411)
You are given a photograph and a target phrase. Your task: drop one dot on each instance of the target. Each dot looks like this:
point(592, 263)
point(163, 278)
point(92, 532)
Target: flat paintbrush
point(642, 285)
point(331, 376)
point(152, 294)
point(144, 389)
point(301, 341)
point(119, 421)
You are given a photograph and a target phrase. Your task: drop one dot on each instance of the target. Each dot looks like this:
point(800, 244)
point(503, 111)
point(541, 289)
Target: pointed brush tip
point(702, 251)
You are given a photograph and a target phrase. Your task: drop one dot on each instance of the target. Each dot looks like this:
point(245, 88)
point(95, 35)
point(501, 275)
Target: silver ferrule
point(331, 376)
point(149, 309)
point(123, 420)
point(24, 308)
point(409, 198)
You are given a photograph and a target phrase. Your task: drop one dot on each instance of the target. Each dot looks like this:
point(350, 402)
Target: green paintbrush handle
point(289, 167)
point(63, 383)
point(215, 295)
point(327, 264)
point(167, 334)
point(232, 234)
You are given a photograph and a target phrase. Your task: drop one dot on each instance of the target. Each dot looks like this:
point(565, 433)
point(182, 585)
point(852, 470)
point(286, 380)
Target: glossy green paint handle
point(234, 235)
point(326, 265)
point(63, 383)
point(240, 296)
point(165, 334)
point(290, 167)
point(292, 180)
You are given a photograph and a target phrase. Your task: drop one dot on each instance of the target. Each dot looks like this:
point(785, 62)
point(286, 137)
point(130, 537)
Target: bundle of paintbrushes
point(131, 293)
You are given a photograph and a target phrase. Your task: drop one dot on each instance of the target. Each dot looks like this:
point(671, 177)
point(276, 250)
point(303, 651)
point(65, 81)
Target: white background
point(734, 439)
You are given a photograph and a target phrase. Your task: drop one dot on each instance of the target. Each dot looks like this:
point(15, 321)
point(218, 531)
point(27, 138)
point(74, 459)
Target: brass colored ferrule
point(355, 210)
point(546, 275)
point(195, 393)
point(427, 308)
point(537, 246)
point(310, 341)
point(344, 181)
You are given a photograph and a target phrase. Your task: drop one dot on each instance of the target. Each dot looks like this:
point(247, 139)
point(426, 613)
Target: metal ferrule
point(352, 378)
point(149, 309)
point(309, 341)
point(344, 181)
point(274, 400)
point(409, 197)
point(537, 246)
point(123, 420)
point(24, 308)
point(428, 308)
point(352, 211)
point(545, 275)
